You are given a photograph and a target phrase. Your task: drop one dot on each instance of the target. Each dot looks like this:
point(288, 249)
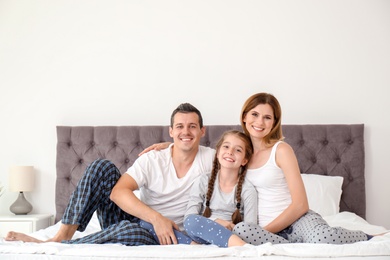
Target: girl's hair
point(236, 217)
point(265, 98)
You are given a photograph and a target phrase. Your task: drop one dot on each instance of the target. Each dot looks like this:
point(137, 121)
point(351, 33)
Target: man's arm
point(122, 195)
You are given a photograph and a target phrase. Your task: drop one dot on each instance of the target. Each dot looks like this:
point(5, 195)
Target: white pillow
point(323, 193)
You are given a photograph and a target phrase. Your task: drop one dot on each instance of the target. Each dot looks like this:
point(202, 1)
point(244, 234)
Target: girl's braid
point(236, 216)
point(210, 189)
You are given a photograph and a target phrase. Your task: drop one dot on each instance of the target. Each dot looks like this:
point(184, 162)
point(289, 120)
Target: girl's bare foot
point(15, 236)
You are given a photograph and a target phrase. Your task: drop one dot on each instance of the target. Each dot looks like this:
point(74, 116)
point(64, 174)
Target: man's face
point(186, 131)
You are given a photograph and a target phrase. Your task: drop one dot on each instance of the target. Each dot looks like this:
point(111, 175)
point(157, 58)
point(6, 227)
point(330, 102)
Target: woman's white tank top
point(272, 190)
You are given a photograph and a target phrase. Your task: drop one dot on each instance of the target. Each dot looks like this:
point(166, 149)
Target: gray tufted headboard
point(336, 150)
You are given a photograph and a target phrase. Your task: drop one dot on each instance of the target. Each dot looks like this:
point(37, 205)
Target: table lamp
point(21, 178)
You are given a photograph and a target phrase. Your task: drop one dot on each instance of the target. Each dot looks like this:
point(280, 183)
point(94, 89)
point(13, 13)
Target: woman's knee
point(239, 227)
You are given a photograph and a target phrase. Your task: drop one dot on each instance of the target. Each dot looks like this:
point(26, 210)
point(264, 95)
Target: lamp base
point(21, 206)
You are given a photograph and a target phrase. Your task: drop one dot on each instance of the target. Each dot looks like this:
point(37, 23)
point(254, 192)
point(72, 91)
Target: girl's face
point(259, 121)
point(231, 154)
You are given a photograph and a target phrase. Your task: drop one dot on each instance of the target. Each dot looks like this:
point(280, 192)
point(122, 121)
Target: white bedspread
point(378, 246)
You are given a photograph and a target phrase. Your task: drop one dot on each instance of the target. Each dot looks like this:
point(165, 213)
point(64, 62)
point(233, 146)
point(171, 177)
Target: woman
point(273, 170)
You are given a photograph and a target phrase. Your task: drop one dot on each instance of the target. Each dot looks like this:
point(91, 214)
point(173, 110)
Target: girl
point(218, 201)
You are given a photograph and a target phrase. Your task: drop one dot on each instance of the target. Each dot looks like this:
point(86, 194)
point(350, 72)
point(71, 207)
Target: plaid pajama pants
point(93, 194)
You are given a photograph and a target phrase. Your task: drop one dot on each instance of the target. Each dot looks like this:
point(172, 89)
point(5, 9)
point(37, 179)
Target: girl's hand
point(227, 224)
point(157, 147)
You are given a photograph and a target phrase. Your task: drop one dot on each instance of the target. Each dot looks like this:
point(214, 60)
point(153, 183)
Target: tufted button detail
point(81, 161)
point(138, 143)
point(325, 142)
point(92, 143)
point(115, 143)
point(207, 143)
point(338, 160)
point(69, 144)
point(313, 160)
point(127, 161)
point(302, 142)
point(350, 142)
point(350, 178)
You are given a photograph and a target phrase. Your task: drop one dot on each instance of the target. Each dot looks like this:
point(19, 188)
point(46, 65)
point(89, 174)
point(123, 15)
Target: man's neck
point(183, 160)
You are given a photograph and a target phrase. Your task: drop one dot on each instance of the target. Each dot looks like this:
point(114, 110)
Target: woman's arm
point(157, 147)
point(287, 161)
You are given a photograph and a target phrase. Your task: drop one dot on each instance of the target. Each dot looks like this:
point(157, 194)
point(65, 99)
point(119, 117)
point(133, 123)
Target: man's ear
point(203, 129)
point(170, 132)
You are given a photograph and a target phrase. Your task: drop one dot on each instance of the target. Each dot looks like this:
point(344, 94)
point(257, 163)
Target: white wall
point(129, 62)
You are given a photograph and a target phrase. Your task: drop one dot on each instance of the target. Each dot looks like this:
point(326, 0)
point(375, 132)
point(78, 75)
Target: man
point(164, 178)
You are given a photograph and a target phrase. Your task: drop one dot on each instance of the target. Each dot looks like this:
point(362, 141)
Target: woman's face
point(259, 121)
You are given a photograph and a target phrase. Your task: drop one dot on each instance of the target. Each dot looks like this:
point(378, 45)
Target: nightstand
point(24, 223)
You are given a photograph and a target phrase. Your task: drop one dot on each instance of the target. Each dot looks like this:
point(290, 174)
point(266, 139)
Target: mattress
point(376, 248)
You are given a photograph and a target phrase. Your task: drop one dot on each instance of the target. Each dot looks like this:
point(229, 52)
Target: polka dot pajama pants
point(310, 228)
point(198, 229)
point(205, 231)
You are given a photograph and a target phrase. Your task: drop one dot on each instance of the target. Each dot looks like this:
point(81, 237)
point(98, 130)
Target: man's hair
point(187, 108)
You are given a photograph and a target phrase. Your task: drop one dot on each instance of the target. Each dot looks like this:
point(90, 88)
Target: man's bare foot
point(65, 232)
point(15, 236)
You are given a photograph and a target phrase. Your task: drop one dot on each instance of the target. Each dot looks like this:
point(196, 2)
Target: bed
point(331, 160)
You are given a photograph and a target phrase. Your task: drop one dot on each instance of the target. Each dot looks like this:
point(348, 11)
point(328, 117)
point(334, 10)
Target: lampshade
point(21, 178)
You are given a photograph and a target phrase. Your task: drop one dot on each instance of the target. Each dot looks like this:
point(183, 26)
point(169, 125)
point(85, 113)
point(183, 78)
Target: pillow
point(323, 193)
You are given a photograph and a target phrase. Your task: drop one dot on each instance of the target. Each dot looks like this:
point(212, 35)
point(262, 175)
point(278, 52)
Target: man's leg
point(180, 236)
point(125, 232)
point(91, 194)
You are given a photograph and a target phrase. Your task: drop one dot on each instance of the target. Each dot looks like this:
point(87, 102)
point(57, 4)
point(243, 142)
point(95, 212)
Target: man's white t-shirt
point(160, 188)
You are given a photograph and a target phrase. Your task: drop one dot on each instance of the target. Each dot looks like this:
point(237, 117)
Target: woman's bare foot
point(381, 234)
point(15, 236)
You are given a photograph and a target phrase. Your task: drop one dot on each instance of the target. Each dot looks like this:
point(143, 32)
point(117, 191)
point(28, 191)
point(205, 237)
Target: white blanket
point(377, 246)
